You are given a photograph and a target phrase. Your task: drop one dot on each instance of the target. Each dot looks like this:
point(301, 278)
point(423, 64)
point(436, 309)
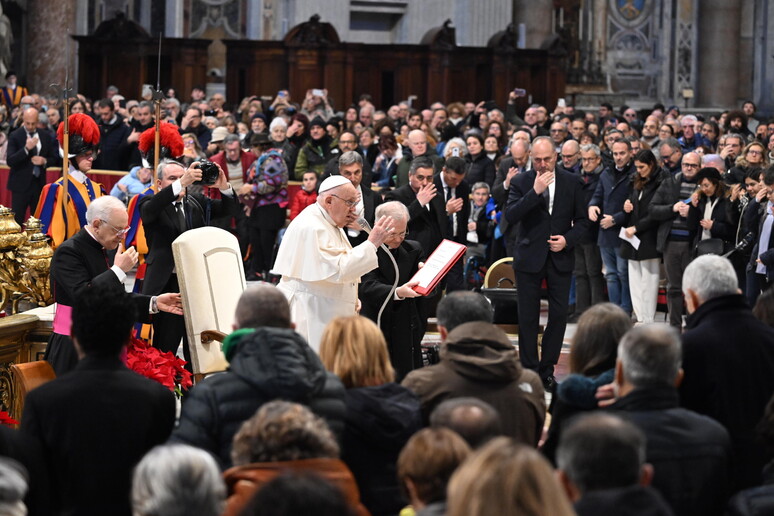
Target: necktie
point(450, 217)
point(763, 241)
point(34, 152)
point(180, 216)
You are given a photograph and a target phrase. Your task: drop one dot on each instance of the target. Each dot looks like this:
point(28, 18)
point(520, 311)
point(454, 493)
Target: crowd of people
point(649, 422)
point(322, 410)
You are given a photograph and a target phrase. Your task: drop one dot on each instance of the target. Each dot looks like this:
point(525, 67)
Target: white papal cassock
point(320, 271)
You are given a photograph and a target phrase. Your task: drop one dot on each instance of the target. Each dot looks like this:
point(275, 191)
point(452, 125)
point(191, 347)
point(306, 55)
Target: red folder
point(437, 266)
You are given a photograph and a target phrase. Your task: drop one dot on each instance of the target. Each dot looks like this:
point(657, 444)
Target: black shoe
point(549, 383)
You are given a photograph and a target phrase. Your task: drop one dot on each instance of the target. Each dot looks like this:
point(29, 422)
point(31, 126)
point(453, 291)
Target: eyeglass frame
point(118, 231)
point(350, 204)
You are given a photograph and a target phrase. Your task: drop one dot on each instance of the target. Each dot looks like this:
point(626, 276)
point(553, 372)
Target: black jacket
point(20, 178)
point(756, 501)
point(690, 453)
point(480, 168)
point(267, 364)
point(723, 227)
point(401, 324)
point(728, 358)
point(95, 424)
point(529, 211)
point(161, 229)
point(662, 208)
point(113, 147)
point(461, 191)
point(625, 501)
point(643, 220)
point(379, 421)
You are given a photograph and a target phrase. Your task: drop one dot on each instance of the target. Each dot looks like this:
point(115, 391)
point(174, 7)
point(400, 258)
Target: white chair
point(211, 276)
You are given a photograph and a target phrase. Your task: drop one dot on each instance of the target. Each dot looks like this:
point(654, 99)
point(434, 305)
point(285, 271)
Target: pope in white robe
point(320, 269)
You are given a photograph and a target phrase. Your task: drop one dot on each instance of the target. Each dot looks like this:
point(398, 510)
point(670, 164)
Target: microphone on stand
point(747, 240)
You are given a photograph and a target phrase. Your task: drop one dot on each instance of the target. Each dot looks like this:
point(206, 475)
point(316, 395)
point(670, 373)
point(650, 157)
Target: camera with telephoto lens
point(210, 173)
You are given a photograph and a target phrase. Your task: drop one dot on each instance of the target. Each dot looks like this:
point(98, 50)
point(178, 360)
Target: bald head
point(262, 305)
point(417, 141)
point(30, 119)
point(570, 153)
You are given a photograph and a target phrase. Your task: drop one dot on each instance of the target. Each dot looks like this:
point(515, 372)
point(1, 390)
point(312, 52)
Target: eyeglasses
point(542, 160)
point(568, 156)
point(118, 231)
point(755, 151)
point(350, 204)
point(402, 235)
point(690, 165)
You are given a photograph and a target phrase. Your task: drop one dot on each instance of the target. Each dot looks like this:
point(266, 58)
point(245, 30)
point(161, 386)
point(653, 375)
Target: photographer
point(165, 216)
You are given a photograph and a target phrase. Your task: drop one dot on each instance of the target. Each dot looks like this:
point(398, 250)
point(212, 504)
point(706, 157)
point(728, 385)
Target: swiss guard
point(64, 217)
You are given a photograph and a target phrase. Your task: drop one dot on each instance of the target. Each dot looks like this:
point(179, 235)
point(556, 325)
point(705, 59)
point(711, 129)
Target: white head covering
point(332, 182)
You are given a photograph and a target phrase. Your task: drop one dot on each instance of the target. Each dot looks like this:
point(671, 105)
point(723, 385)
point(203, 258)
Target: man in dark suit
point(400, 320)
point(97, 422)
point(30, 152)
point(548, 207)
point(516, 163)
point(94, 256)
point(351, 167)
point(456, 193)
point(427, 218)
point(427, 215)
point(165, 216)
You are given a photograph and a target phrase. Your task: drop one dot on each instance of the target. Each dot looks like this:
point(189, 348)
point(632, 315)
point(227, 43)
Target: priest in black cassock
point(95, 256)
point(400, 322)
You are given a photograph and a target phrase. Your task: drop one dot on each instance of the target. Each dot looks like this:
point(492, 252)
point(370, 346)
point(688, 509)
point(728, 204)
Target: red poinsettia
point(6, 419)
point(163, 367)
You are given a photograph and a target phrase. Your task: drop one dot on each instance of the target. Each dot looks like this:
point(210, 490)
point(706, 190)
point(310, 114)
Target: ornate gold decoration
point(25, 259)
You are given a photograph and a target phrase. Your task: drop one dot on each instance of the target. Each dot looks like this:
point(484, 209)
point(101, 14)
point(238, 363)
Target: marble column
point(763, 65)
point(173, 26)
point(718, 48)
point(47, 45)
point(537, 16)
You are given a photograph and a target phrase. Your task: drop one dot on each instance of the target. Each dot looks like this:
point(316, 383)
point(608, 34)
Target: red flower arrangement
point(6, 419)
point(163, 367)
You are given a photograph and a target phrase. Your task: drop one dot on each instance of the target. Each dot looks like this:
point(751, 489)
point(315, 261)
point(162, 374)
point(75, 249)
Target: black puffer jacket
point(266, 365)
point(380, 420)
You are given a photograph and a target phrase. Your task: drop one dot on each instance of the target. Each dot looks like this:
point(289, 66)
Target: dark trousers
point(677, 256)
point(756, 283)
point(264, 225)
point(20, 201)
point(558, 284)
point(168, 328)
point(589, 282)
point(455, 278)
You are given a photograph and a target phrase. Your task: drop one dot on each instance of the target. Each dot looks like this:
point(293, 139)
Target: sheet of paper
point(634, 241)
point(443, 255)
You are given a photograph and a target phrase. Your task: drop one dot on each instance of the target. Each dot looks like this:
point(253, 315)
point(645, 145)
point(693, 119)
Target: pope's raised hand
point(381, 231)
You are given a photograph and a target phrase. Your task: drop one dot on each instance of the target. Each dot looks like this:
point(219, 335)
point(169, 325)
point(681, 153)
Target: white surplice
point(320, 271)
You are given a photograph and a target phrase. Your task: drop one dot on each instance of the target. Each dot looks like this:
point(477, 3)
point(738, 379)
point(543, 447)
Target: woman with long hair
point(507, 479)
point(381, 415)
point(753, 156)
point(711, 214)
point(644, 259)
point(480, 168)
